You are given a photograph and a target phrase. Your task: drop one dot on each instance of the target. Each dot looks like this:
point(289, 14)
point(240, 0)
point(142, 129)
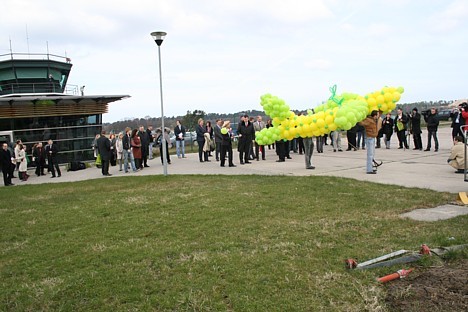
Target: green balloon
point(224, 131)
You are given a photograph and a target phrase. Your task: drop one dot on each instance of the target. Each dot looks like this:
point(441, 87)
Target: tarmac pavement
point(404, 167)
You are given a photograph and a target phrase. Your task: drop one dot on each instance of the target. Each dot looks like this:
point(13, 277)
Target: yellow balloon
point(396, 96)
point(332, 127)
point(320, 115)
point(320, 123)
point(328, 120)
point(380, 99)
point(388, 96)
point(371, 101)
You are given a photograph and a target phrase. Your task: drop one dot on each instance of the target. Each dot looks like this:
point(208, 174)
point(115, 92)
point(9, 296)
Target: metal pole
point(163, 140)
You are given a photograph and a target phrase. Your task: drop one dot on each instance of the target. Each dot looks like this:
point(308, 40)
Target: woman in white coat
point(23, 163)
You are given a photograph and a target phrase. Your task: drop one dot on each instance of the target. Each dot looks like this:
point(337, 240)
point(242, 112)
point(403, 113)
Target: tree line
point(190, 119)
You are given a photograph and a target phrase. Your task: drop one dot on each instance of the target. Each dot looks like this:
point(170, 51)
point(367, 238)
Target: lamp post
point(158, 37)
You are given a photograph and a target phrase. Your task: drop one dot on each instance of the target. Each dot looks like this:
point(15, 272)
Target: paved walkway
point(400, 167)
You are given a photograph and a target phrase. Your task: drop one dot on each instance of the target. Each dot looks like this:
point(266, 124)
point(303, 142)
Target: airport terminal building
point(37, 105)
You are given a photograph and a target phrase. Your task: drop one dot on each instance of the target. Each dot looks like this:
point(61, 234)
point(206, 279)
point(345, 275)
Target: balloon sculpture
point(340, 112)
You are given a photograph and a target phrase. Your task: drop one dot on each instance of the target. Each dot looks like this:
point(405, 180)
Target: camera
point(426, 112)
point(463, 106)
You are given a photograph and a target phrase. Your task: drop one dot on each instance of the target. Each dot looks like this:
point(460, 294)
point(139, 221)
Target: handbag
point(98, 160)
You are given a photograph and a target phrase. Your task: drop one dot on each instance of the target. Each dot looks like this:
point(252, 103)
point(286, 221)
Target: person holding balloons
point(370, 124)
point(226, 144)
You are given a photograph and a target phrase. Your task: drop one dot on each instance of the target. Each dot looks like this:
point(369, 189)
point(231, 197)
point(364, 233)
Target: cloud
point(318, 64)
point(453, 16)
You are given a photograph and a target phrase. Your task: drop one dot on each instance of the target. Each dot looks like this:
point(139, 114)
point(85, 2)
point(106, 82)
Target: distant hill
point(190, 119)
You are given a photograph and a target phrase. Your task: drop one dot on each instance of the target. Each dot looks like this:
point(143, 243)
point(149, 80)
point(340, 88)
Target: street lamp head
point(158, 36)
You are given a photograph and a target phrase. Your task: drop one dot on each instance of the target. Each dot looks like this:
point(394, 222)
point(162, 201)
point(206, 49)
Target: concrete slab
point(435, 214)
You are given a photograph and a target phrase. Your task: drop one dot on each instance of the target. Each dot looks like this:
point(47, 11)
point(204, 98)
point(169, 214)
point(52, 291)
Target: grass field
point(207, 243)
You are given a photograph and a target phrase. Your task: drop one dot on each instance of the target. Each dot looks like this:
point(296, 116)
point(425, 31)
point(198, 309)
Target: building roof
point(54, 104)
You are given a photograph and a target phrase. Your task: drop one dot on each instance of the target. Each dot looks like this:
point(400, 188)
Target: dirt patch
point(443, 288)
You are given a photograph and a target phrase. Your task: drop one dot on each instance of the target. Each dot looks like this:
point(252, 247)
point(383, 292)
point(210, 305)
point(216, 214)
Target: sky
point(221, 56)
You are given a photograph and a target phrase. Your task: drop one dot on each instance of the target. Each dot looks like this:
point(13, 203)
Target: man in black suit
point(246, 134)
point(51, 152)
point(149, 131)
point(218, 137)
point(145, 140)
point(6, 162)
point(104, 148)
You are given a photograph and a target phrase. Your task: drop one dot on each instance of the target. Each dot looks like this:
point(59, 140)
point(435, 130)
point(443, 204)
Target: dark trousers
point(6, 176)
point(137, 163)
point(281, 149)
point(432, 134)
point(456, 130)
point(417, 140)
point(144, 154)
point(226, 149)
point(244, 151)
point(53, 166)
point(300, 145)
point(203, 156)
point(39, 168)
point(167, 152)
point(104, 166)
point(351, 136)
point(259, 149)
point(218, 150)
point(402, 138)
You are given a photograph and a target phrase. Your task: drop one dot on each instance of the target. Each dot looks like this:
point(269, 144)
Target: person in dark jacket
point(432, 122)
point(218, 137)
point(201, 130)
point(151, 137)
point(104, 148)
point(179, 132)
point(246, 134)
point(6, 162)
point(458, 120)
point(127, 150)
point(145, 140)
point(415, 119)
point(351, 136)
point(39, 159)
point(400, 128)
point(226, 144)
point(51, 152)
point(387, 129)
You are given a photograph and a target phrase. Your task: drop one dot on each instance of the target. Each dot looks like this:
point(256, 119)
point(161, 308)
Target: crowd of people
point(13, 157)
point(131, 149)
